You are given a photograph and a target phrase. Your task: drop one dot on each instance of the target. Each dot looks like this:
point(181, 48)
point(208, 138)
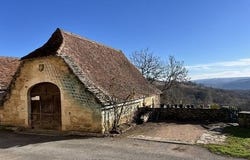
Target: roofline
point(89, 40)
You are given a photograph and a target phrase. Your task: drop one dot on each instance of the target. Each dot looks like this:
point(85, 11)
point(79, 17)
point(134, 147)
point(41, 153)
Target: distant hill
point(192, 93)
point(239, 83)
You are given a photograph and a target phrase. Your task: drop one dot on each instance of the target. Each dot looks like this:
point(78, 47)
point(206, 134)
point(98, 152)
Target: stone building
point(69, 84)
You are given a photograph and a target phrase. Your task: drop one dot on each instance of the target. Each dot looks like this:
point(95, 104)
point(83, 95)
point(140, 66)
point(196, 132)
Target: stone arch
point(45, 106)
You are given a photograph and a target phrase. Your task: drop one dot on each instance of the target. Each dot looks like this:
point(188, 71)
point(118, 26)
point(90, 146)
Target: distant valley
point(221, 91)
point(239, 83)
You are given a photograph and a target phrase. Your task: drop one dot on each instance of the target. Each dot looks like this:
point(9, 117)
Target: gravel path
point(189, 133)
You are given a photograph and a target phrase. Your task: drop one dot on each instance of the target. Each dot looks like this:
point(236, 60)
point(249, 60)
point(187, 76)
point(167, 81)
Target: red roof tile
point(8, 67)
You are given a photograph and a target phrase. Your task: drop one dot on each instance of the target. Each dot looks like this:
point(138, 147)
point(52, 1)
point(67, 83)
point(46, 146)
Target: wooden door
point(45, 107)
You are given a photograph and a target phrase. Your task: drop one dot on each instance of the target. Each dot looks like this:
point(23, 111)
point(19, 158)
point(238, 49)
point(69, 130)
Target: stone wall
point(79, 108)
point(152, 101)
point(186, 114)
point(244, 119)
point(129, 110)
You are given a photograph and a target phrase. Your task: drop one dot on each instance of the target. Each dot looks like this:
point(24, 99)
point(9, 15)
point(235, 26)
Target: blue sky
point(212, 37)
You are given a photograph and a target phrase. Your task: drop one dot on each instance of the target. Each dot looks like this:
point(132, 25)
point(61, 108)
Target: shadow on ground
point(11, 139)
point(237, 131)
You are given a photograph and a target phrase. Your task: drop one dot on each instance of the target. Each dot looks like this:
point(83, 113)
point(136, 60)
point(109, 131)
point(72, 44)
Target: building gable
point(104, 71)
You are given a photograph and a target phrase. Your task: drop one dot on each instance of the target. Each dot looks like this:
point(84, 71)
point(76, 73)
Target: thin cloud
point(226, 74)
point(237, 63)
point(238, 68)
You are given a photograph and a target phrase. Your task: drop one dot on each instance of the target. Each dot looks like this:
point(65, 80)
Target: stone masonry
point(80, 109)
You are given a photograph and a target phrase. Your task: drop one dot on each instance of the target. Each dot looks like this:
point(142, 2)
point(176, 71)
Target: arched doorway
point(45, 106)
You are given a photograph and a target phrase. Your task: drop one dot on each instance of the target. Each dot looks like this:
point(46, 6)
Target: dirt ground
point(171, 131)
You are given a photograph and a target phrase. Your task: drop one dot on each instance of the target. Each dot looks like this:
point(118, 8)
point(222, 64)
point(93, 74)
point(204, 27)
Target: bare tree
point(174, 72)
point(119, 104)
point(148, 64)
point(120, 108)
point(153, 69)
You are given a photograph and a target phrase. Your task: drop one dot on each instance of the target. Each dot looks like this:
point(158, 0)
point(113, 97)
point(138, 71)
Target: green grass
point(237, 144)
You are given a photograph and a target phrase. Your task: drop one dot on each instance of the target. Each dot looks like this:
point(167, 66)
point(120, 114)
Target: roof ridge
point(86, 39)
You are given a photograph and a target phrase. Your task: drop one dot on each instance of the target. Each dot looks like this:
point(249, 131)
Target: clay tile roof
point(8, 67)
point(103, 70)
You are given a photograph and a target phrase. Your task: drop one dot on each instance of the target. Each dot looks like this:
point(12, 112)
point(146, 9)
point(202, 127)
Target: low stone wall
point(244, 119)
point(188, 114)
